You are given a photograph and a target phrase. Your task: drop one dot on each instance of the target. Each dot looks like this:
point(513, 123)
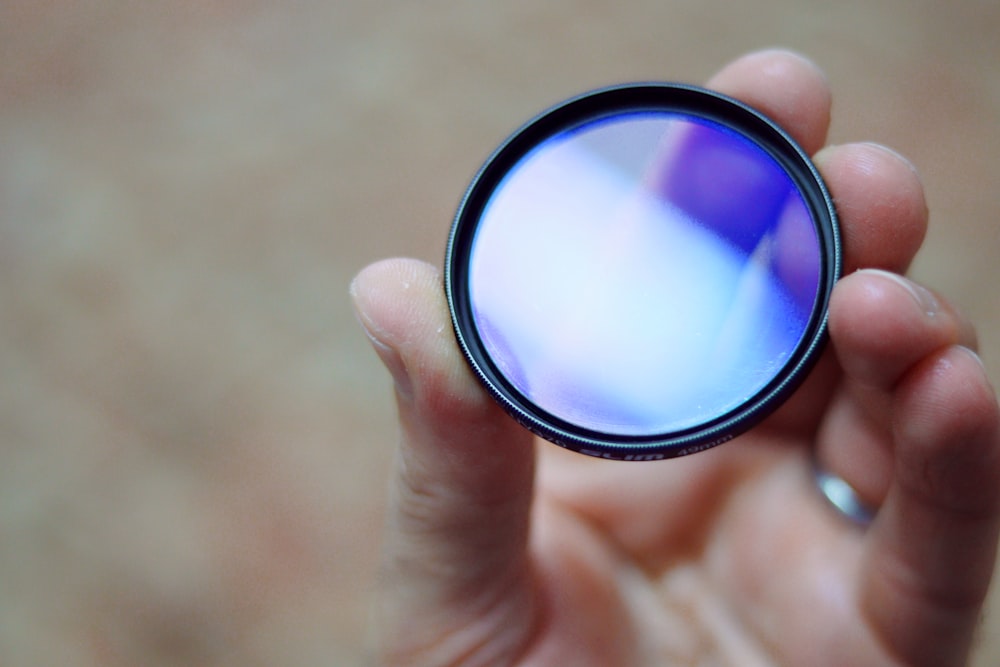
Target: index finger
point(785, 86)
point(878, 194)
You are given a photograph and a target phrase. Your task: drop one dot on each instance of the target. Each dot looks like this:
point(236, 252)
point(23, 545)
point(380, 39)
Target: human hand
point(729, 556)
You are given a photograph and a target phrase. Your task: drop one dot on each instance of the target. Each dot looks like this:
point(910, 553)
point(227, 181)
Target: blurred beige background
point(193, 434)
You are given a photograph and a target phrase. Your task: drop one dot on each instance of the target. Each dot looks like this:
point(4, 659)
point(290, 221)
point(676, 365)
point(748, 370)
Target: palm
point(714, 556)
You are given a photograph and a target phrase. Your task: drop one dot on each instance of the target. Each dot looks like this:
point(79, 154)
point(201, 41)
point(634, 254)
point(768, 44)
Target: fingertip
point(947, 397)
point(882, 323)
point(784, 85)
point(947, 426)
point(880, 202)
point(776, 62)
point(395, 298)
point(401, 307)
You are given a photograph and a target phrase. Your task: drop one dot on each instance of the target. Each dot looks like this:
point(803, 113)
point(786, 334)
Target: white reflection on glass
point(643, 274)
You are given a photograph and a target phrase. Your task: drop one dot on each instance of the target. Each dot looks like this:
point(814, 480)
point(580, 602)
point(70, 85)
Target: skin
point(503, 551)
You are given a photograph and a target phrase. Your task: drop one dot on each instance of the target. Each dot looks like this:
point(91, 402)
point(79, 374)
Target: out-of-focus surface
point(193, 434)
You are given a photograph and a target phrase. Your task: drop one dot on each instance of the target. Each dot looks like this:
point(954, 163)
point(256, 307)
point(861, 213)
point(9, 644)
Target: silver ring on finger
point(842, 497)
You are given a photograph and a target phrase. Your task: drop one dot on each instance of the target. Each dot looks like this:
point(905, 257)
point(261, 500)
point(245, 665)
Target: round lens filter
point(643, 271)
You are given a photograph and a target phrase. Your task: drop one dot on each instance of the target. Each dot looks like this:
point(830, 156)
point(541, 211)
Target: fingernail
point(972, 354)
point(389, 355)
point(899, 156)
point(393, 362)
point(921, 295)
point(823, 153)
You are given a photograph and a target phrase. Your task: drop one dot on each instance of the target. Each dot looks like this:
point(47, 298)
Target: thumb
point(455, 557)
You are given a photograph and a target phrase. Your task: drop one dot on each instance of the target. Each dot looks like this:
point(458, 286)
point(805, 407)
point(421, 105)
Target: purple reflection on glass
point(644, 273)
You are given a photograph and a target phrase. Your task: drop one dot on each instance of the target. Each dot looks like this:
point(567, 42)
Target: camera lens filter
point(643, 271)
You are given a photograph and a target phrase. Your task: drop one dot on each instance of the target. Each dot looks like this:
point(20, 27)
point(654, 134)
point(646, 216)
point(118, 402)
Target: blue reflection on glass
point(644, 273)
